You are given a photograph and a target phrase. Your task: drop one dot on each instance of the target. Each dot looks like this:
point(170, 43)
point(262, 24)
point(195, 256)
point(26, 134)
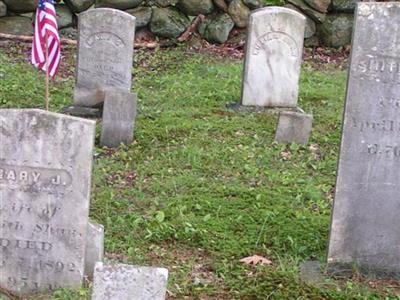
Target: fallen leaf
point(255, 260)
point(315, 151)
point(286, 155)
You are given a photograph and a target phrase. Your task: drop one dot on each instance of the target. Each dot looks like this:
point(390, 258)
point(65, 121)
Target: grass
point(203, 186)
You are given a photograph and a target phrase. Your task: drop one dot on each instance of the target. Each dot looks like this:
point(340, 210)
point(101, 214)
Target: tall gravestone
point(365, 229)
point(273, 57)
point(105, 54)
point(45, 174)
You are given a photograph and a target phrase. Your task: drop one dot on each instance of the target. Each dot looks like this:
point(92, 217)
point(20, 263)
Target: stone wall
point(329, 22)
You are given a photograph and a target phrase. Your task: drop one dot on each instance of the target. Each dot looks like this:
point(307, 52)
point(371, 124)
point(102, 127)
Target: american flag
point(46, 34)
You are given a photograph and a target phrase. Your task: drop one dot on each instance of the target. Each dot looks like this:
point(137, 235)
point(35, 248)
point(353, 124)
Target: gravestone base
point(88, 97)
point(83, 112)
point(118, 118)
point(347, 270)
point(341, 269)
point(238, 107)
point(293, 127)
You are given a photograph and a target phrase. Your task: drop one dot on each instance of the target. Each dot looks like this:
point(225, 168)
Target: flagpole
point(47, 72)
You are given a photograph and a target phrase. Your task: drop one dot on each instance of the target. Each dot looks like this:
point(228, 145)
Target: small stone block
point(119, 114)
point(293, 127)
point(94, 247)
point(127, 282)
point(311, 273)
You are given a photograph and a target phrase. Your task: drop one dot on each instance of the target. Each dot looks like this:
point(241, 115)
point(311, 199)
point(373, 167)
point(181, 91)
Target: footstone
point(311, 273)
point(273, 57)
point(119, 114)
point(94, 247)
point(293, 127)
point(105, 54)
point(365, 223)
point(126, 282)
point(45, 174)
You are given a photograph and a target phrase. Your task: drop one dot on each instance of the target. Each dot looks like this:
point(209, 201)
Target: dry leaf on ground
point(286, 155)
point(255, 260)
point(315, 151)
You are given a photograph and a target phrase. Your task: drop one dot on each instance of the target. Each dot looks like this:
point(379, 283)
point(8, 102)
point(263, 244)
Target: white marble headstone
point(273, 57)
point(45, 175)
point(105, 54)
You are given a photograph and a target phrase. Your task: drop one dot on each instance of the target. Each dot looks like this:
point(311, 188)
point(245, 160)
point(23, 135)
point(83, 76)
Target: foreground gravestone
point(365, 223)
point(45, 174)
point(293, 127)
point(126, 282)
point(105, 54)
point(273, 57)
point(119, 114)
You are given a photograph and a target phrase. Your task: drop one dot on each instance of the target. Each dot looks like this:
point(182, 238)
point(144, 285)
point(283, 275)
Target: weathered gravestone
point(273, 57)
point(45, 173)
point(119, 114)
point(105, 54)
point(126, 282)
point(365, 229)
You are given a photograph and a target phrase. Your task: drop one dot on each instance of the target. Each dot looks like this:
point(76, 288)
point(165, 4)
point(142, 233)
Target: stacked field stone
point(329, 22)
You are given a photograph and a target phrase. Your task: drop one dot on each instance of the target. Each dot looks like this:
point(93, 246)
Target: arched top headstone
point(273, 57)
point(276, 10)
point(111, 12)
point(105, 53)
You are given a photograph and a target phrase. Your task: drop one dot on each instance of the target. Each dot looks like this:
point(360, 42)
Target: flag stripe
point(46, 35)
point(37, 51)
